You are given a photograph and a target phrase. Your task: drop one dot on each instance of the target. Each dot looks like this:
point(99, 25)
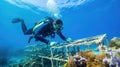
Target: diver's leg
point(24, 28)
point(40, 38)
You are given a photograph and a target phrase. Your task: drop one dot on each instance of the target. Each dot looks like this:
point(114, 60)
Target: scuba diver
point(42, 29)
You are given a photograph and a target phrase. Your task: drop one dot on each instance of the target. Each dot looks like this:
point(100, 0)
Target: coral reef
point(29, 62)
point(93, 60)
point(4, 55)
point(118, 55)
point(115, 42)
point(33, 52)
point(31, 57)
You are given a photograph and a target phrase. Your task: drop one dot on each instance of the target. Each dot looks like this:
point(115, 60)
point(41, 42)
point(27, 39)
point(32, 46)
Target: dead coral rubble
point(115, 43)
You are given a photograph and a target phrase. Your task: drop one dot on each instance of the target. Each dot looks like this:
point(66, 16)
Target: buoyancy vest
point(41, 23)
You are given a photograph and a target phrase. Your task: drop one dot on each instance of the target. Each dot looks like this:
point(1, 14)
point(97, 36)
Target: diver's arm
point(61, 35)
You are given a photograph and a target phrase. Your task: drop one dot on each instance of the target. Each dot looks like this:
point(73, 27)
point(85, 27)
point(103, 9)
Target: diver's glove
point(69, 40)
point(16, 20)
point(53, 44)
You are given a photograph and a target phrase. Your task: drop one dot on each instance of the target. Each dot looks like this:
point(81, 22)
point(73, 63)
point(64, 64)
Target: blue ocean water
point(82, 18)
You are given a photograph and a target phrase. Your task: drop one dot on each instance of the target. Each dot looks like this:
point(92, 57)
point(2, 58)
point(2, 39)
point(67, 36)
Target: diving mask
point(58, 27)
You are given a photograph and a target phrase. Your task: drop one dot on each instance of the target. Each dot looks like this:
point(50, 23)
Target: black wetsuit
point(43, 31)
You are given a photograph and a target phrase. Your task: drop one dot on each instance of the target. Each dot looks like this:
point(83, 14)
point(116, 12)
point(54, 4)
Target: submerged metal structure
point(61, 53)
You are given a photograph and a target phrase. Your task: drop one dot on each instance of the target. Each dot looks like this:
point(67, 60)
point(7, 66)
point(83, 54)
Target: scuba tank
point(38, 25)
point(42, 22)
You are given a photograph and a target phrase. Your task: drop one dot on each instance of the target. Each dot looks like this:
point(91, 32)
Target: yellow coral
point(65, 65)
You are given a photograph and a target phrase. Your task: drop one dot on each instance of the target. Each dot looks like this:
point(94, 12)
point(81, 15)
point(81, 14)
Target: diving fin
point(16, 20)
